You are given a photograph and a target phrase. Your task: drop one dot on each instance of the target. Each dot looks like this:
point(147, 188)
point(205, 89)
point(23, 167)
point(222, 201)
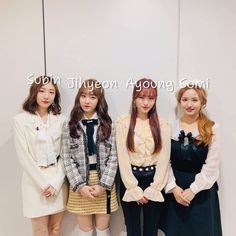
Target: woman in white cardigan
point(37, 133)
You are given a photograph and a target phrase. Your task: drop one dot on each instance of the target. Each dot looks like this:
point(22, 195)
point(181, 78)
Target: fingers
point(143, 200)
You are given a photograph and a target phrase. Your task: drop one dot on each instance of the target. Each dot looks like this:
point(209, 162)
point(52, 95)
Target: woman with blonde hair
point(192, 204)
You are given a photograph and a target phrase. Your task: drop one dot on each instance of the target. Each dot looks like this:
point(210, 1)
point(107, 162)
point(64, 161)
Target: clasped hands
point(48, 191)
point(91, 192)
point(183, 197)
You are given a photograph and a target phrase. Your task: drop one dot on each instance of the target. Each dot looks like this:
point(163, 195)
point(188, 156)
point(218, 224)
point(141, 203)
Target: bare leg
point(54, 224)
point(40, 226)
point(85, 223)
point(102, 224)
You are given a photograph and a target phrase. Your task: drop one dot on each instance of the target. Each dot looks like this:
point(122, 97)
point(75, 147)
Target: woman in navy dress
point(192, 204)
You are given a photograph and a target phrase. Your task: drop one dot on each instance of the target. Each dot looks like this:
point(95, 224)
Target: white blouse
point(210, 170)
point(45, 151)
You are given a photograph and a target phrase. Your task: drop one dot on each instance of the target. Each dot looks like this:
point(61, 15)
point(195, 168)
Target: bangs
point(92, 87)
point(148, 92)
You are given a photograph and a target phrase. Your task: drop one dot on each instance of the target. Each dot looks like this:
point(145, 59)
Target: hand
point(188, 195)
point(98, 190)
point(142, 201)
point(86, 191)
point(178, 194)
point(48, 191)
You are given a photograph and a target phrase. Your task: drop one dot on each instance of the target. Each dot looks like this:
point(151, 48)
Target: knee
point(54, 229)
point(86, 228)
point(40, 232)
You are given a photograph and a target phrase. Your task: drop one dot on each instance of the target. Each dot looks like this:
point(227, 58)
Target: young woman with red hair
point(143, 147)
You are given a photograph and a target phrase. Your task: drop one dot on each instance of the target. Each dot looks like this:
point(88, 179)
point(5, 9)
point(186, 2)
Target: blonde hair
point(204, 123)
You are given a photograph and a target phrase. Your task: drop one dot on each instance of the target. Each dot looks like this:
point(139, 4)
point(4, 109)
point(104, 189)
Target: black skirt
point(201, 218)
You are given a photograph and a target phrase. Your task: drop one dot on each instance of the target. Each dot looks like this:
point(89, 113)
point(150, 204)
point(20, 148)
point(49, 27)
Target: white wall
point(115, 41)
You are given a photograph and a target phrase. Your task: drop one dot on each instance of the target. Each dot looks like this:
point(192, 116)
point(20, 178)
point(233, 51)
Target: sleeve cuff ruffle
point(170, 186)
point(133, 194)
point(153, 194)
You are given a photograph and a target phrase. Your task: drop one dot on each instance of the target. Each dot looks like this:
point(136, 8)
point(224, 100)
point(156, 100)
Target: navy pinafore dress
point(202, 217)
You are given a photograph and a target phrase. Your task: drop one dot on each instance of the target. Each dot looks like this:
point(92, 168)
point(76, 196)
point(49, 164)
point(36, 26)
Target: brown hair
point(145, 87)
point(30, 105)
point(101, 109)
point(204, 123)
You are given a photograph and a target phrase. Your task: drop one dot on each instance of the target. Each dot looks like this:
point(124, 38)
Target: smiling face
point(144, 103)
point(45, 96)
point(190, 103)
point(88, 102)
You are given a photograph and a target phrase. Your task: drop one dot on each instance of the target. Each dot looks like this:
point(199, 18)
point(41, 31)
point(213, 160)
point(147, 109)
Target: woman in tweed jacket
point(89, 156)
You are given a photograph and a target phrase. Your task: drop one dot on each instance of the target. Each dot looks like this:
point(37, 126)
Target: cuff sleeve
point(153, 195)
point(133, 194)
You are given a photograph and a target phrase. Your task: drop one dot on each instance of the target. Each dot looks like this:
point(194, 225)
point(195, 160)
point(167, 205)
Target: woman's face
point(46, 96)
point(190, 103)
point(144, 104)
point(88, 102)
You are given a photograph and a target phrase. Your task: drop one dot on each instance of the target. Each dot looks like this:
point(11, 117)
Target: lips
point(45, 102)
point(87, 107)
point(189, 110)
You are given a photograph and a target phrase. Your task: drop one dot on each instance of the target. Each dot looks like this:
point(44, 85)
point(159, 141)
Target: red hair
point(145, 87)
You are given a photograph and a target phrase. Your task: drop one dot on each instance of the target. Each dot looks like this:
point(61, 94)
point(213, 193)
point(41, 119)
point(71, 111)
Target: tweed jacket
point(75, 158)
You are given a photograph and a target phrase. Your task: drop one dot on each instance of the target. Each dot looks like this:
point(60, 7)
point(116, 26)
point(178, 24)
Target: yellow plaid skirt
point(104, 204)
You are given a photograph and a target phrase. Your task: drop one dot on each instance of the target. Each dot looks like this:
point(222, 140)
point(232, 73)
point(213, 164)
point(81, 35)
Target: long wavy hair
point(204, 123)
point(30, 104)
point(77, 112)
point(145, 87)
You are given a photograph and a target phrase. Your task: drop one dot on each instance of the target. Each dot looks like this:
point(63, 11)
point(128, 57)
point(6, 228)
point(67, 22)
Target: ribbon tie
point(186, 139)
point(89, 132)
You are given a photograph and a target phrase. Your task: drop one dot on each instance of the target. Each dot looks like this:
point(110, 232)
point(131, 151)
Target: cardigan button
point(140, 169)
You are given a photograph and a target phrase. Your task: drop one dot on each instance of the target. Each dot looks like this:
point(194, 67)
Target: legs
point(54, 224)
point(102, 224)
point(151, 217)
point(47, 224)
point(132, 213)
point(40, 226)
point(85, 225)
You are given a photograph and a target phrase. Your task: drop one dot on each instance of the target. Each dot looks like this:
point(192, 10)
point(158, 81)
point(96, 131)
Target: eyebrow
point(52, 89)
point(190, 97)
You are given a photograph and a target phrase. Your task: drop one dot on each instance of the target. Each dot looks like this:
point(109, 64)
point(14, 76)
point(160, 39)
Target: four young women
point(84, 150)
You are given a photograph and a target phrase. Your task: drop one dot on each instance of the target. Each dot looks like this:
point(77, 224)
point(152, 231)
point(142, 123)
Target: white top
point(45, 150)
point(210, 170)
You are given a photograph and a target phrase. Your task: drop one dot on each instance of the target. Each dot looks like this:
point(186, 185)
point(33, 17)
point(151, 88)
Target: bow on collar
point(182, 137)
